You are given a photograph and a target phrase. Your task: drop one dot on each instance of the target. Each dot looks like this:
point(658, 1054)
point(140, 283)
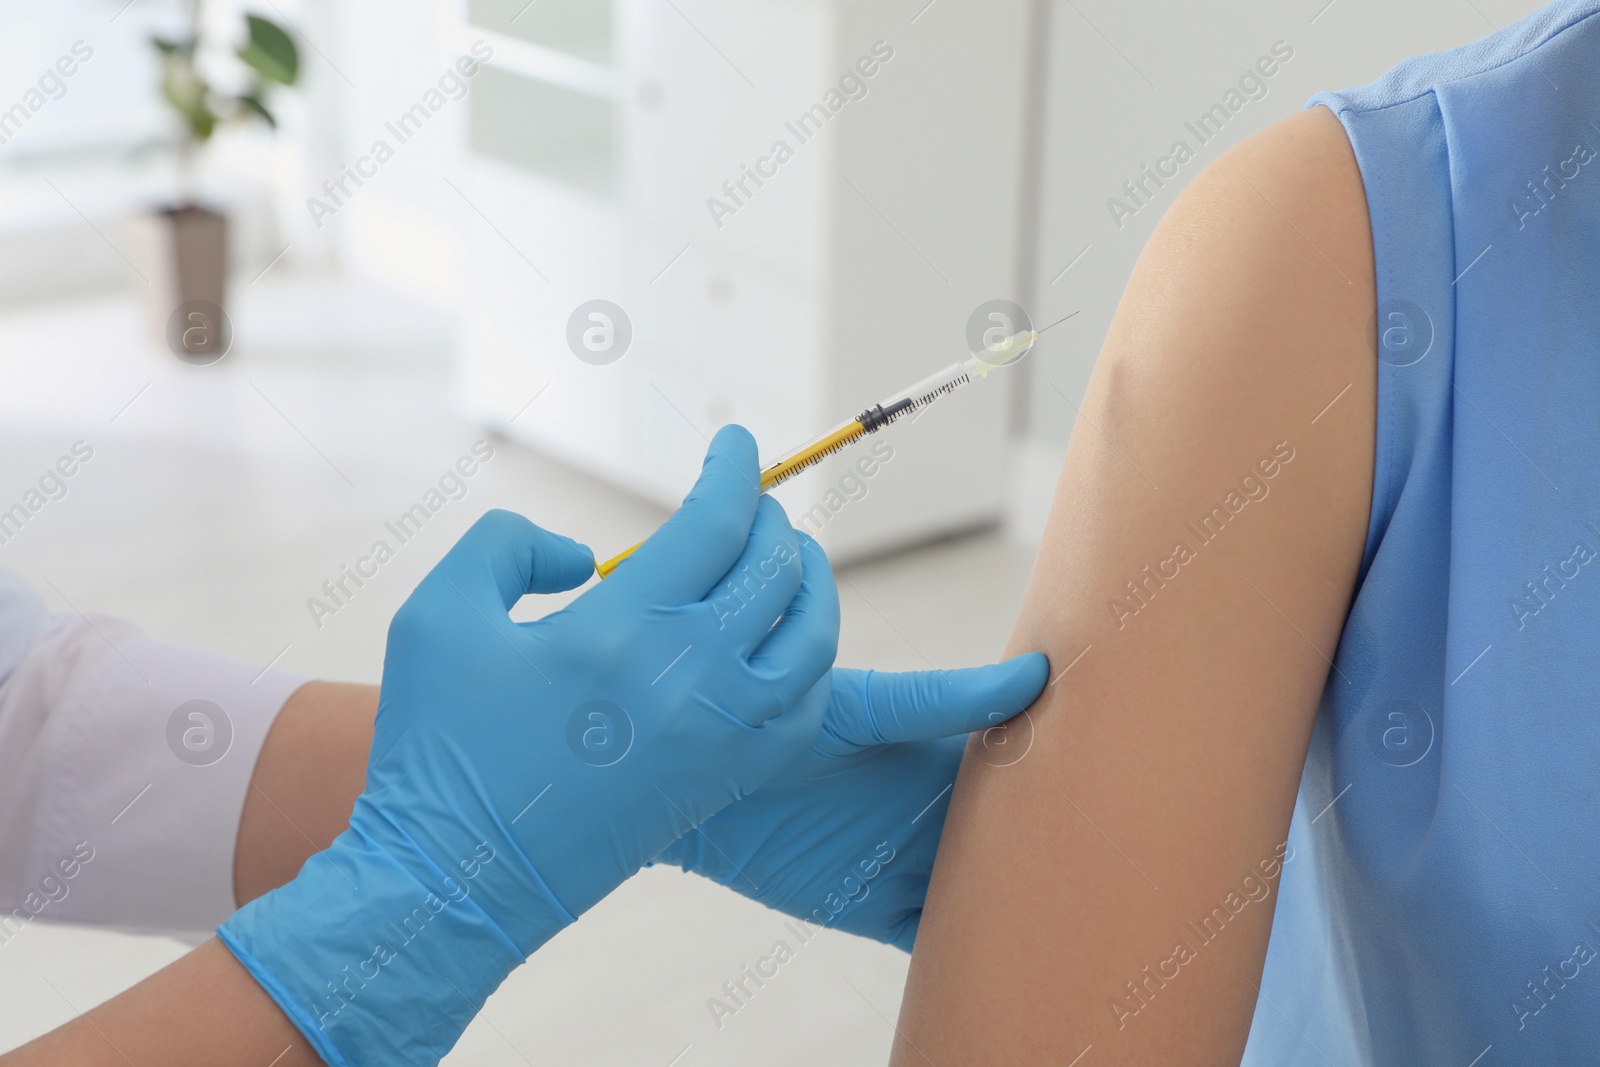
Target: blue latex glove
point(521, 771)
point(846, 835)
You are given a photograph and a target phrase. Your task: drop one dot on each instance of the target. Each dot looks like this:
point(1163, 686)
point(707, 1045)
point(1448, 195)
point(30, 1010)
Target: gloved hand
point(846, 835)
point(520, 771)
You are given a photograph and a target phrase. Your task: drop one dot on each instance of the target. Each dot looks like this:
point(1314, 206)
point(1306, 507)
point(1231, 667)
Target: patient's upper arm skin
point(1197, 570)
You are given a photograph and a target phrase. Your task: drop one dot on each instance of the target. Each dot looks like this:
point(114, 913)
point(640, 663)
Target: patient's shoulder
point(1252, 307)
point(1300, 172)
point(1275, 228)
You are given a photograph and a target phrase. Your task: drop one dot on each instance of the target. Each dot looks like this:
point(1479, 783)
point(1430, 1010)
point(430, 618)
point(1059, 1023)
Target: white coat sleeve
point(124, 765)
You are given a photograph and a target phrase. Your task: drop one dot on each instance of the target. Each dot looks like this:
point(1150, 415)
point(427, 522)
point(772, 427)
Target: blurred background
point(279, 281)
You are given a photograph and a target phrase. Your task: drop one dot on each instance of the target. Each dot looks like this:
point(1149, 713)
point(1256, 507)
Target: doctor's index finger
point(680, 562)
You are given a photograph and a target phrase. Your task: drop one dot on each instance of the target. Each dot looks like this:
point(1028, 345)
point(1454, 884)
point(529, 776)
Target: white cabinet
point(838, 267)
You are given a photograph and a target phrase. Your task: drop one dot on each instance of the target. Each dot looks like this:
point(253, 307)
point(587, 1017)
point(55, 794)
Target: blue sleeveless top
point(1443, 903)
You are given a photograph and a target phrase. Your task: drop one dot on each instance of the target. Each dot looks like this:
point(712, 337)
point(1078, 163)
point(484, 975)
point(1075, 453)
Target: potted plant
point(185, 242)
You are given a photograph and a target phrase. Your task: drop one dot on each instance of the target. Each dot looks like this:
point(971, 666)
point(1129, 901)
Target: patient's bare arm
point(1108, 888)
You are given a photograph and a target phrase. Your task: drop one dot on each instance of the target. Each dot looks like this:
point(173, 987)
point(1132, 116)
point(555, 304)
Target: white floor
point(219, 499)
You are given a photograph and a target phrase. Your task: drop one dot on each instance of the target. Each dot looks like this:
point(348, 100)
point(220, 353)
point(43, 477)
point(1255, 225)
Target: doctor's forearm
point(306, 780)
point(202, 1010)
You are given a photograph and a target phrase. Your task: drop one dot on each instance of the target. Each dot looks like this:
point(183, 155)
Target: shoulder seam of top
point(1432, 87)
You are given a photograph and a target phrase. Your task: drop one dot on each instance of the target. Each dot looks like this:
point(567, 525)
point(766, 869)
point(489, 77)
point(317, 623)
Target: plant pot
point(184, 257)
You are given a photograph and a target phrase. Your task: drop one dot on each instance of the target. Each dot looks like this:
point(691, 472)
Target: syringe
point(918, 396)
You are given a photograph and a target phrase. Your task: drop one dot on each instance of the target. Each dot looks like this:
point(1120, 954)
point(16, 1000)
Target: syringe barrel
point(934, 386)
